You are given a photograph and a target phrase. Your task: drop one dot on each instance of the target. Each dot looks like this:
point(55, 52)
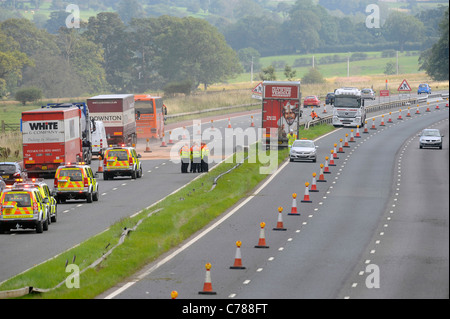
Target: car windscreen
point(303, 144)
point(7, 169)
point(422, 85)
point(22, 199)
point(431, 133)
point(344, 101)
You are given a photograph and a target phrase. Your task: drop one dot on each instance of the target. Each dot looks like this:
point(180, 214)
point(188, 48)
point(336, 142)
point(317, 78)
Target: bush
point(172, 88)
point(313, 76)
point(28, 95)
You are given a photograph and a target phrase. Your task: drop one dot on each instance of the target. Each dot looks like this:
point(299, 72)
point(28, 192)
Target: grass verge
point(180, 216)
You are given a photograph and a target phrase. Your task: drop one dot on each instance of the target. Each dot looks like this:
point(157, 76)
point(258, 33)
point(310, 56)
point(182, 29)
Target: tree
point(268, 74)
point(435, 61)
point(313, 77)
point(28, 95)
point(401, 27)
point(289, 73)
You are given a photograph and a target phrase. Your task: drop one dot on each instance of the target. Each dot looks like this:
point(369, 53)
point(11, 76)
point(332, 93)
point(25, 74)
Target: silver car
point(368, 94)
point(303, 150)
point(430, 137)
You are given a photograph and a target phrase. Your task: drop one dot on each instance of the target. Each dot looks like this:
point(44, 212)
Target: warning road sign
point(258, 89)
point(404, 87)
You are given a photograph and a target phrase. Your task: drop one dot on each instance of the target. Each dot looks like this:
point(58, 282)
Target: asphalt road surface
point(377, 228)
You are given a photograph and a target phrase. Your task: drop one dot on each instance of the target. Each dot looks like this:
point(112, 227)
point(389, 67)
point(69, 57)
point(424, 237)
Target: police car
point(23, 207)
point(45, 191)
point(121, 161)
point(75, 181)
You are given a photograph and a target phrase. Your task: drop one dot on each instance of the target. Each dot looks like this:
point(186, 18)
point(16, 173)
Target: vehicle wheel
point(54, 218)
point(45, 224)
point(39, 227)
point(95, 197)
point(291, 160)
point(105, 176)
point(314, 160)
point(139, 173)
point(89, 198)
point(440, 147)
point(420, 146)
point(133, 175)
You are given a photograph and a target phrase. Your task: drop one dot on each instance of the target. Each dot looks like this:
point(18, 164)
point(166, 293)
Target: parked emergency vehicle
point(121, 161)
point(23, 207)
point(51, 136)
point(75, 181)
point(150, 113)
point(46, 193)
point(280, 111)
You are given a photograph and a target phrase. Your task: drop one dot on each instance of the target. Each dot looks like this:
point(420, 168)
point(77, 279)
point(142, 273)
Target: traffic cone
point(212, 126)
point(229, 123)
point(238, 257)
point(313, 184)
point(390, 117)
point(382, 120)
point(335, 156)
point(280, 220)
point(147, 148)
point(366, 130)
point(428, 109)
point(163, 143)
point(326, 169)
point(399, 118)
point(357, 132)
point(346, 141)
point(207, 286)
point(294, 210)
point(262, 237)
point(170, 138)
point(341, 150)
point(409, 113)
point(306, 196)
point(417, 110)
point(321, 176)
point(437, 107)
point(184, 132)
point(352, 137)
point(252, 123)
point(373, 124)
point(100, 165)
point(324, 109)
point(332, 159)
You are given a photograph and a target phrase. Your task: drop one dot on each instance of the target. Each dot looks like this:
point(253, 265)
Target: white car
point(430, 138)
point(303, 150)
point(368, 94)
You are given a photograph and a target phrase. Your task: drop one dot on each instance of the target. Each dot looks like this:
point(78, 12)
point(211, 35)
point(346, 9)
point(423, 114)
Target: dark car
point(329, 99)
point(12, 172)
point(2, 184)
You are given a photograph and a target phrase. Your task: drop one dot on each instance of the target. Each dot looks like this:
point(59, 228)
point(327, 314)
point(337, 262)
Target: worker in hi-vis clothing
point(196, 158)
point(205, 154)
point(291, 138)
point(185, 155)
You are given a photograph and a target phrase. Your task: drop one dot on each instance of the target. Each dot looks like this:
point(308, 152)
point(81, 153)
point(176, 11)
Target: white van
point(99, 142)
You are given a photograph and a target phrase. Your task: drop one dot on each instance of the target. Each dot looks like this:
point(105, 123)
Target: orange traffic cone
point(326, 169)
point(357, 132)
point(399, 118)
point(321, 176)
point(409, 113)
point(346, 141)
point(366, 130)
point(184, 132)
point(390, 117)
point(352, 137)
point(170, 138)
point(417, 110)
point(373, 124)
point(207, 286)
point(163, 142)
point(238, 258)
point(324, 109)
point(335, 156)
point(437, 107)
point(229, 123)
point(100, 165)
point(147, 148)
point(262, 237)
point(428, 109)
point(306, 198)
point(382, 120)
point(280, 220)
point(294, 210)
point(341, 150)
point(332, 159)
point(252, 123)
point(313, 184)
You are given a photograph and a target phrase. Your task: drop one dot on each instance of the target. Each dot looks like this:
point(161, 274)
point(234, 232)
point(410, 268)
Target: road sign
point(404, 87)
point(258, 89)
point(384, 92)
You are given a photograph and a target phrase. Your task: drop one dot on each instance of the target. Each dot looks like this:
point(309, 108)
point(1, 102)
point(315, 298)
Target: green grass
point(175, 222)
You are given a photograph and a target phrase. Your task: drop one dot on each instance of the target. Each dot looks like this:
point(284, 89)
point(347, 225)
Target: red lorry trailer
point(117, 113)
point(280, 111)
point(50, 137)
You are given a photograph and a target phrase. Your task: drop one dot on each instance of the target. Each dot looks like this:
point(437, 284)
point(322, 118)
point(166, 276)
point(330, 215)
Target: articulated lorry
point(51, 136)
point(280, 111)
point(117, 113)
point(348, 109)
